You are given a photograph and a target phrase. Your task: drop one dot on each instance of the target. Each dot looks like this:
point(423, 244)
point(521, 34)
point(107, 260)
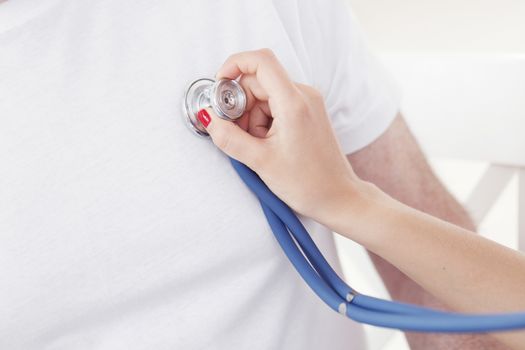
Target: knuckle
point(298, 106)
point(266, 53)
point(312, 93)
point(232, 57)
point(316, 94)
point(312, 100)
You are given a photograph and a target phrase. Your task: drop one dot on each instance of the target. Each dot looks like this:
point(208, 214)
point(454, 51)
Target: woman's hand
point(285, 136)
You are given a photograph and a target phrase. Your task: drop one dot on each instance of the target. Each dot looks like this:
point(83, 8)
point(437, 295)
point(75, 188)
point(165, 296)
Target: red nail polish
point(204, 117)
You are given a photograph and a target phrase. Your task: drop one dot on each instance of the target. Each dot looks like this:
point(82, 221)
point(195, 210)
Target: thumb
point(231, 139)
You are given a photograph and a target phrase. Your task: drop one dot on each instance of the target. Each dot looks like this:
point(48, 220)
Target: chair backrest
point(469, 107)
point(465, 106)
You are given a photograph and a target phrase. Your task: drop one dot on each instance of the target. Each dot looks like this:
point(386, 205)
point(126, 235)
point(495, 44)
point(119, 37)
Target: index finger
point(269, 72)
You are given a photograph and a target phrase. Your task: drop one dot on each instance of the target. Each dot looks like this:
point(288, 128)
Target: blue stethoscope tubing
point(324, 281)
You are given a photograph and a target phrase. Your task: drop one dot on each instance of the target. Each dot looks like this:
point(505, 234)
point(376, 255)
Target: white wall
point(453, 26)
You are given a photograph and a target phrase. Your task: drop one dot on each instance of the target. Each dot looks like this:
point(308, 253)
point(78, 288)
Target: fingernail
point(204, 117)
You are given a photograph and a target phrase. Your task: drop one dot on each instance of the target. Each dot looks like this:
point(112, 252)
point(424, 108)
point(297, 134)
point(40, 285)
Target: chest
point(102, 184)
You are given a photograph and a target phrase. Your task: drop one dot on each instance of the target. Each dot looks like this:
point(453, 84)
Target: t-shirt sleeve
point(361, 97)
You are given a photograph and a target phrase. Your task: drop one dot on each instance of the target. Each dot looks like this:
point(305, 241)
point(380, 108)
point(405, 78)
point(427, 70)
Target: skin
point(286, 131)
point(384, 163)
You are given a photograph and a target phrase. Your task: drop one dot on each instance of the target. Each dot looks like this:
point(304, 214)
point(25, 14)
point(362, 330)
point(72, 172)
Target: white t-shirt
point(120, 229)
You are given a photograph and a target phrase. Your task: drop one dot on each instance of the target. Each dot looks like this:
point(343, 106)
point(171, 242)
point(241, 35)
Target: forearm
point(468, 272)
point(403, 288)
point(448, 261)
point(396, 165)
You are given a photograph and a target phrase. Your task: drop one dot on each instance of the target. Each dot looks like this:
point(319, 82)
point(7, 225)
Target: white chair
point(469, 107)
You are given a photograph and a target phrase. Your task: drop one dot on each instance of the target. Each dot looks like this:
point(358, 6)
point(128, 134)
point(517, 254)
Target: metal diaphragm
point(226, 97)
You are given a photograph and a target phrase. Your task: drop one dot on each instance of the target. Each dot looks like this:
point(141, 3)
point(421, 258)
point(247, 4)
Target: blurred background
point(461, 68)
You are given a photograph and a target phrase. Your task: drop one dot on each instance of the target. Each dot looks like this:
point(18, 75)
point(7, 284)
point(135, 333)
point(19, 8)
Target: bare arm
point(284, 118)
point(396, 165)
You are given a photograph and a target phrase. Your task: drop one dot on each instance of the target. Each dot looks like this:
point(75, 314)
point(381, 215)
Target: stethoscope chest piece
point(226, 97)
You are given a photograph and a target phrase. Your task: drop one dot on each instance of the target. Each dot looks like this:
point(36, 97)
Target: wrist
point(362, 213)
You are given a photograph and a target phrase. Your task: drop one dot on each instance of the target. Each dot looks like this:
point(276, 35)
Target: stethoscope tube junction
point(227, 96)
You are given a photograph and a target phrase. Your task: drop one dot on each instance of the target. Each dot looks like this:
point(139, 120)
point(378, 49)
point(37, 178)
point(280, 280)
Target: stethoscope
point(228, 100)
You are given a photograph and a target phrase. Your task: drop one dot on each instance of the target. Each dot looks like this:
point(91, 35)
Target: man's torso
point(118, 227)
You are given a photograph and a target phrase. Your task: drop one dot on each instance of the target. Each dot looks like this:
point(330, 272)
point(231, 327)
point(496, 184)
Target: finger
point(253, 89)
point(231, 139)
point(264, 65)
point(259, 121)
point(243, 122)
